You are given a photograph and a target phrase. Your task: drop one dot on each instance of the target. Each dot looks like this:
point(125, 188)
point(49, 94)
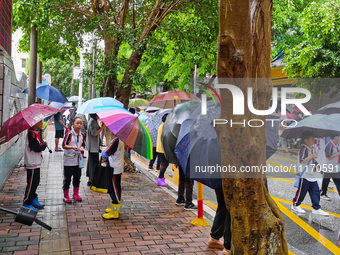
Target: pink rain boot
point(161, 182)
point(76, 194)
point(67, 199)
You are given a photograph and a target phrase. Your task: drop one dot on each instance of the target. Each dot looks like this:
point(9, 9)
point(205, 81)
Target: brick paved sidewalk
point(150, 222)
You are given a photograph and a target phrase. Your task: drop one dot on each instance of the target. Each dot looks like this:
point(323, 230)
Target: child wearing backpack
point(34, 146)
point(73, 160)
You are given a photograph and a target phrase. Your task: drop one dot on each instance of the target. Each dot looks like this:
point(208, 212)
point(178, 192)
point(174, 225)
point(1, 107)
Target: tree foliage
point(61, 74)
point(318, 52)
point(308, 34)
point(184, 40)
point(129, 29)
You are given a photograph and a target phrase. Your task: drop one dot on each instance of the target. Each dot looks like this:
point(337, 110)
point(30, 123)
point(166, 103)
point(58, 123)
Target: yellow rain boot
point(109, 209)
point(114, 213)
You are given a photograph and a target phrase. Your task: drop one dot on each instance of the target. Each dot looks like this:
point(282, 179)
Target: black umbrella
point(172, 127)
point(320, 125)
point(198, 146)
point(272, 128)
point(330, 108)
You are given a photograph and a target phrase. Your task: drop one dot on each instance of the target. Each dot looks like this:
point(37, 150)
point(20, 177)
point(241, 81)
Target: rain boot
point(114, 213)
point(29, 207)
point(76, 194)
point(67, 199)
point(109, 209)
point(36, 204)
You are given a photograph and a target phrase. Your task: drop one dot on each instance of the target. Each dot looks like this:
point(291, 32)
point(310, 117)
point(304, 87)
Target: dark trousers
point(327, 179)
point(325, 183)
point(152, 161)
point(92, 162)
point(314, 192)
point(115, 191)
point(33, 180)
point(222, 222)
point(70, 171)
point(185, 183)
point(164, 165)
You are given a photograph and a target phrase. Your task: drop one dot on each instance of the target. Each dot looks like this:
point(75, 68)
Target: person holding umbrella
point(160, 151)
point(308, 182)
point(115, 155)
point(33, 156)
point(30, 117)
point(93, 145)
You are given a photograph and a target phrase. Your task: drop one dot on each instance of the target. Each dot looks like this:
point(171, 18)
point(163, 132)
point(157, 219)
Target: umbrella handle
point(49, 150)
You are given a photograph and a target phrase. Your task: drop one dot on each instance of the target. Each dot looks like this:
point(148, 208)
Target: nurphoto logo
point(239, 104)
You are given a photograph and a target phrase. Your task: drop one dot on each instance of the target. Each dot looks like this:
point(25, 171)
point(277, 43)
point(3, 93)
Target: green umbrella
point(138, 102)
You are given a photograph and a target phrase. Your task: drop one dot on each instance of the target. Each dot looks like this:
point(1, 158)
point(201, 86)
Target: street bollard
point(200, 221)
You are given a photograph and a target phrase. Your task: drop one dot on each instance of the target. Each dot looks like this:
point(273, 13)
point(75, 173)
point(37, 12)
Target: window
point(23, 63)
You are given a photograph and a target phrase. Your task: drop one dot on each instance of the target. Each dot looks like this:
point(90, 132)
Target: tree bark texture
point(244, 61)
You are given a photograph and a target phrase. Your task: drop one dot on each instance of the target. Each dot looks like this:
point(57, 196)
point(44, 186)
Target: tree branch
point(122, 13)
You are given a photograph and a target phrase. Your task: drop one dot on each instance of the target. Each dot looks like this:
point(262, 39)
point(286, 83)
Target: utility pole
point(81, 80)
point(33, 65)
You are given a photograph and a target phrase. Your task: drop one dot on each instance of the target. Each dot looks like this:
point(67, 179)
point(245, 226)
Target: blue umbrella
point(153, 123)
point(98, 105)
point(74, 99)
point(144, 116)
point(198, 145)
point(49, 93)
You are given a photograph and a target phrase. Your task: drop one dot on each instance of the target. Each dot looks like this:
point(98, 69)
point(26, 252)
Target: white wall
point(17, 56)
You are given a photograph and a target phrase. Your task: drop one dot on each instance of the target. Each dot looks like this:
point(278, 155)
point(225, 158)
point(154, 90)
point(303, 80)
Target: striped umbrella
point(129, 129)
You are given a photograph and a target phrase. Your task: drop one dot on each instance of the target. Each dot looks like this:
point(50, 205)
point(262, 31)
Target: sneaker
point(298, 209)
point(161, 182)
point(325, 197)
point(320, 212)
point(190, 207)
point(150, 168)
point(180, 201)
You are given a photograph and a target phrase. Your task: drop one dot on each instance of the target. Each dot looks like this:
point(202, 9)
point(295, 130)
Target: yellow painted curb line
point(293, 160)
point(276, 164)
point(210, 204)
point(285, 180)
point(311, 231)
point(291, 156)
point(304, 206)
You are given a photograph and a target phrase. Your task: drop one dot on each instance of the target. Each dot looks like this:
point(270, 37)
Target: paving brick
point(149, 223)
point(14, 248)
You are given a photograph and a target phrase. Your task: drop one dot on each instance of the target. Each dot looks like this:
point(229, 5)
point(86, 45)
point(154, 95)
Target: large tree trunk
point(244, 52)
point(123, 94)
point(33, 65)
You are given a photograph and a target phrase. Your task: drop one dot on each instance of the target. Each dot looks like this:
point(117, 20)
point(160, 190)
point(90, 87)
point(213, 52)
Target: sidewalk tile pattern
point(149, 223)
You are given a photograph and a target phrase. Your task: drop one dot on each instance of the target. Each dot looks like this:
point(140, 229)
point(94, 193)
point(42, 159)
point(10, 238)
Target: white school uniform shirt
point(71, 157)
point(309, 173)
point(331, 149)
point(116, 160)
